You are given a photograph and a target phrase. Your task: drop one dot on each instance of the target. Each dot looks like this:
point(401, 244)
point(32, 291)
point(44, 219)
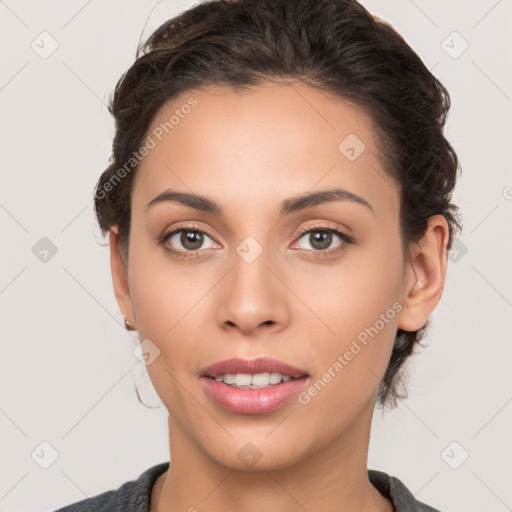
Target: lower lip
point(252, 401)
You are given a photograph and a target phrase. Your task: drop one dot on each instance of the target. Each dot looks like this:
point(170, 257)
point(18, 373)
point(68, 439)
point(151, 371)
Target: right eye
point(186, 242)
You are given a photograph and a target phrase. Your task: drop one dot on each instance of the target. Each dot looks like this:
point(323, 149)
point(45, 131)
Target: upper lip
point(251, 367)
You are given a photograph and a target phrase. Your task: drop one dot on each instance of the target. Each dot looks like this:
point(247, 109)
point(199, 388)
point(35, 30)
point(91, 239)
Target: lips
point(243, 400)
point(252, 367)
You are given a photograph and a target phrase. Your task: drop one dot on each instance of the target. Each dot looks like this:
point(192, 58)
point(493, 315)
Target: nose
point(252, 299)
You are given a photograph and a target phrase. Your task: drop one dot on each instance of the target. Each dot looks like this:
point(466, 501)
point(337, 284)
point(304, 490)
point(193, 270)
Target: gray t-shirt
point(135, 495)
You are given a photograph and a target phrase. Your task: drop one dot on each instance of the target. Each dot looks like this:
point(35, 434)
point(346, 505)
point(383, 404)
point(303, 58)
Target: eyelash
point(195, 229)
point(346, 239)
point(177, 253)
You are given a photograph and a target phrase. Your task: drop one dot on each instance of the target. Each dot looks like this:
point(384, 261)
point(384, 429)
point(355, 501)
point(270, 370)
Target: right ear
point(120, 276)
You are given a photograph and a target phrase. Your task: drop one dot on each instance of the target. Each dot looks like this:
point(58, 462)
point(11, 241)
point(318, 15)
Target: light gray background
point(65, 357)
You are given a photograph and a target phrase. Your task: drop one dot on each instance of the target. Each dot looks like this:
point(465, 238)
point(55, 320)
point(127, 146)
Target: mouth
point(255, 381)
point(252, 386)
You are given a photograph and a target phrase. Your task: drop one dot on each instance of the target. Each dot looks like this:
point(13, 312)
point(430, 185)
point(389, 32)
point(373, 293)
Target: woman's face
point(262, 277)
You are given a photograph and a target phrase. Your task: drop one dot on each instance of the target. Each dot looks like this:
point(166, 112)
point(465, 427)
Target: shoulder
point(396, 491)
point(132, 496)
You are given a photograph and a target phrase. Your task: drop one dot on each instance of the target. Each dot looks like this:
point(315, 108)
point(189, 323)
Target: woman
point(279, 216)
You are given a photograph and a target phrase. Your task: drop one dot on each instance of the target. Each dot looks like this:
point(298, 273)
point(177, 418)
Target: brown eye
point(191, 240)
point(321, 239)
point(188, 240)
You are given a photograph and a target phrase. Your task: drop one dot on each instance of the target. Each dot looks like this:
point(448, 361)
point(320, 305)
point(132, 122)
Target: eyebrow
point(288, 206)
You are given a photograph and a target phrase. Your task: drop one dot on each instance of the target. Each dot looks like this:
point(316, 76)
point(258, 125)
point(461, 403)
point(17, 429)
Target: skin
point(249, 152)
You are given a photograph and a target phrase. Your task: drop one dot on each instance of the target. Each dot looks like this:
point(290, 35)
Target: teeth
point(242, 379)
point(229, 378)
point(261, 379)
point(275, 378)
point(256, 381)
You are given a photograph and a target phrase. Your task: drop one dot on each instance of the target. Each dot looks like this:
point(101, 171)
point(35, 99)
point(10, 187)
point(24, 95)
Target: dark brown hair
point(332, 45)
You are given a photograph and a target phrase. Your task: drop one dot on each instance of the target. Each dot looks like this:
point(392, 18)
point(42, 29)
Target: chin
point(253, 454)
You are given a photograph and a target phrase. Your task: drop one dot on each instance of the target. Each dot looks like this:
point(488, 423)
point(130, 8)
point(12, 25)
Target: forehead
point(260, 145)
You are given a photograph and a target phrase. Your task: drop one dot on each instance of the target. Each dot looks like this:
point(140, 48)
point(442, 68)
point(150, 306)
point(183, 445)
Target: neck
point(322, 480)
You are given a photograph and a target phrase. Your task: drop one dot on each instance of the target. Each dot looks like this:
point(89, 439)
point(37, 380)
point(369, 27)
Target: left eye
point(321, 239)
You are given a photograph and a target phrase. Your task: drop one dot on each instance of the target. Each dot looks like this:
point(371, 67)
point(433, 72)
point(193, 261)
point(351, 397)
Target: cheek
point(170, 314)
point(162, 291)
point(359, 305)
point(171, 310)
point(353, 294)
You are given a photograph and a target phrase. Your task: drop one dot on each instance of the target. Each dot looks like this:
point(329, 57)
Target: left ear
point(426, 274)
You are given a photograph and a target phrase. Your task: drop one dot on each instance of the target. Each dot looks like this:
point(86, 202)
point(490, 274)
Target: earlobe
point(425, 276)
point(120, 278)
